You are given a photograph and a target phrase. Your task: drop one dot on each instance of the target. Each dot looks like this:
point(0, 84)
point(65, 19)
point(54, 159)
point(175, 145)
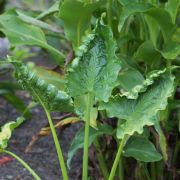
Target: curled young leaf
point(51, 96)
point(6, 131)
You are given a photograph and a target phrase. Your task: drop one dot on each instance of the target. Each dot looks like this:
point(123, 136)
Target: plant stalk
point(101, 160)
point(57, 145)
point(153, 171)
point(31, 171)
point(86, 137)
point(109, 12)
point(55, 138)
point(121, 169)
point(176, 150)
point(117, 159)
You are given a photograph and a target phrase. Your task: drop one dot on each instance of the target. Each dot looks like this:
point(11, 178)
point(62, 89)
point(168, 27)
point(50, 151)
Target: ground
point(42, 158)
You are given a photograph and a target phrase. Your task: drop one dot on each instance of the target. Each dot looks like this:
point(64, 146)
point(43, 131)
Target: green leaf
point(153, 27)
point(141, 149)
point(172, 7)
point(76, 16)
point(10, 86)
point(132, 8)
point(129, 74)
point(141, 87)
point(7, 91)
point(124, 2)
point(160, 15)
point(171, 50)
point(78, 141)
point(162, 141)
point(95, 70)
point(16, 102)
point(54, 8)
point(148, 54)
point(38, 23)
point(163, 19)
point(6, 131)
point(142, 111)
point(176, 35)
point(156, 18)
point(51, 77)
point(54, 99)
point(26, 35)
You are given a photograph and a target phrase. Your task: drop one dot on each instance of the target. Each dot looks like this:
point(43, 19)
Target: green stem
point(121, 169)
point(176, 152)
point(23, 163)
point(118, 156)
point(168, 63)
point(146, 172)
point(101, 160)
point(55, 138)
point(57, 145)
point(153, 171)
point(109, 12)
point(86, 137)
point(78, 33)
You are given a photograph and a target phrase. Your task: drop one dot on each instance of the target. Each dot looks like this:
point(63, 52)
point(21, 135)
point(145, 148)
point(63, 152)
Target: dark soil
point(43, 158)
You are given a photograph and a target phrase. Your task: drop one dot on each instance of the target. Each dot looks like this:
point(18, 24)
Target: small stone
point(9, 177)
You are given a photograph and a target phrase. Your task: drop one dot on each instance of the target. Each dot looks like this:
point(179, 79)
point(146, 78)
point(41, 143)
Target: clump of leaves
point(122, 65)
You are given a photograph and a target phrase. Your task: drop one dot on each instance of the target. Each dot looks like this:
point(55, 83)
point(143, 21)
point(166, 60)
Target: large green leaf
point(141, 149)
point(96, 68)
point(46, 93)
point(7, 130)
point(76, 16)
point(142, 111)
point(10, 25)
point(78, 141)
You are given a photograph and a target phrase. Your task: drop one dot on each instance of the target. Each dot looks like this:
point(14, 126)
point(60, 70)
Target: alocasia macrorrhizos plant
point(125, 70)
